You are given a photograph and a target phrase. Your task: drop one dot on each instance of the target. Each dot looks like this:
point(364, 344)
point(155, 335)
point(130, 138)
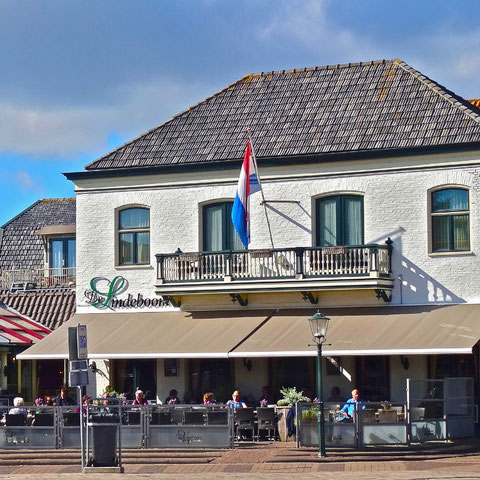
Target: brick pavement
point(277, 461)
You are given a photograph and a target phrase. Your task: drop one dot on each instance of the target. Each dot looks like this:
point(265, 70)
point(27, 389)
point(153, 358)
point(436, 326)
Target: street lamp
point(319, 325)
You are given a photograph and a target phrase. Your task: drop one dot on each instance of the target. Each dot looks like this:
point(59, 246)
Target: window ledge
point(133, 267)
point(451, 254)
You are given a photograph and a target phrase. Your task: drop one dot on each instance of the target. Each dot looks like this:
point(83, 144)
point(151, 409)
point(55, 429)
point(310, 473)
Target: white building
point(370, 175)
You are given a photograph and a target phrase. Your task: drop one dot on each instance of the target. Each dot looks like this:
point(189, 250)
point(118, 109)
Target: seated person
point(172, 398)
point(63, 399)
point(139, 398)
point(335, 396)
point(348, 409)
point(266, 396)
point(18, 409)
point(235, 401)
point(209, 399)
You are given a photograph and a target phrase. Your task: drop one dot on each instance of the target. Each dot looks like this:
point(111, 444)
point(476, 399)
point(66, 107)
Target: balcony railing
point(33, 279)
point(286, 263)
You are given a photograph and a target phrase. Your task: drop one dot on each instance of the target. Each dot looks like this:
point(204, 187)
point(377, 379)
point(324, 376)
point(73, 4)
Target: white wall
point(165, 384)
point(395, 205)
point(250, 383)
point(417, 369)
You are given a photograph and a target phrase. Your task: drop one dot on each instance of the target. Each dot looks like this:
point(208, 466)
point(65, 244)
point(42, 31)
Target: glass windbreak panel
point(134, 218)
point(450, 199)
point(353, 221)
point(56, 255)
point(461, 238)
point(213, 228)
point(71, 252)
point(143, 247)
point(126, 248)
point(327, 222)
point(441, 233)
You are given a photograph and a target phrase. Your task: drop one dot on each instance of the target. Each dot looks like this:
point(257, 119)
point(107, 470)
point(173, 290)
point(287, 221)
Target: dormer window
point(62, 256)
point(134, 236)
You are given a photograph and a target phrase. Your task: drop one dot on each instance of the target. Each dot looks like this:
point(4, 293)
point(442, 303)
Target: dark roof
point(322, 110)
point(50, 308)
point(20, 246)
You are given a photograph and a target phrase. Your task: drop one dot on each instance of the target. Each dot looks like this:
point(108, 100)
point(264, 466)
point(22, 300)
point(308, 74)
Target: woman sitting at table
point(209, 399)
point(235, 401)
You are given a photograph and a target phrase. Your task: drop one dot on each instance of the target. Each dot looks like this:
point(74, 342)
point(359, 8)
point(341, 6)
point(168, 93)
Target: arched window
point(218, 230)
point(134, 236)
point(450, 220)
point(339, 220)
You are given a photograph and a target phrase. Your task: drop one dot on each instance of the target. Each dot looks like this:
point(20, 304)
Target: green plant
point(291, 397)
point(310, 415)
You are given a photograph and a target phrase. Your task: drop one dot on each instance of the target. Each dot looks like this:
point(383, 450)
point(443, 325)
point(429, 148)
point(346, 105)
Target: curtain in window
point(327, 234)
point(212, 223)
point(126, 248)
point(461, 240)
point(143, 246)
point(441, 233)
point(450, 199)
point(353, 223)
point(56, 255)
point(134, 218)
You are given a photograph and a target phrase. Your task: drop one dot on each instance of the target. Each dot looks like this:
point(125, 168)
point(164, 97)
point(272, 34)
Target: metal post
point(82, 450)
point(321, 419)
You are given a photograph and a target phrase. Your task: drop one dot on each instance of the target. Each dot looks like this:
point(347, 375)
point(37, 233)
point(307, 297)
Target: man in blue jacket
point(349, 408)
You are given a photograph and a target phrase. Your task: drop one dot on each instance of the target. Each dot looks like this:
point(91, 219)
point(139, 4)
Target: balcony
point(288, 269)
point(34, 279)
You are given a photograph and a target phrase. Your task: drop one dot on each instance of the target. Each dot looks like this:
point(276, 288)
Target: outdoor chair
point(244, 420)
point(267, 420)
point(387, 416)
point(161, 418)
point(417, 413)
point(217, 417)
point(15, 420)
point(367, 415)
point(193, 418)
point(71, 419)
point(133, 418)
point(43, 420)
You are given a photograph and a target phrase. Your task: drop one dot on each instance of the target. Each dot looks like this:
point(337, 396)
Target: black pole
point(321, 419)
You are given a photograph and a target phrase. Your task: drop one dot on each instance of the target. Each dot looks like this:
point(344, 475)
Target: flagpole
point(261, 189)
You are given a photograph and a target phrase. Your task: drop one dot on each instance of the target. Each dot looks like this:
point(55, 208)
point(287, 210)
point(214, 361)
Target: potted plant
point(290, 398)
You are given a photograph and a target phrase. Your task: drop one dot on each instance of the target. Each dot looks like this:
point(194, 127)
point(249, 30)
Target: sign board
point(82, 351)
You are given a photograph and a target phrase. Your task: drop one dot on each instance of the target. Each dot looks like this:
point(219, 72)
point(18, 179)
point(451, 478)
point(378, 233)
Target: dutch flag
point(248, 184)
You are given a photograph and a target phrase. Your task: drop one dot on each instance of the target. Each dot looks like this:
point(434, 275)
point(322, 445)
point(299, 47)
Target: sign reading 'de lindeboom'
point(104, 294)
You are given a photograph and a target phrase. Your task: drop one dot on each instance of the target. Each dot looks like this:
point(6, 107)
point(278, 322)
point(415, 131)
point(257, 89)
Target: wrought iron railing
point(33, 279)
point(299, 262)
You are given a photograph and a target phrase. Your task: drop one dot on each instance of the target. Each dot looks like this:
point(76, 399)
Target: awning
point(402, 330)
point(169, 334)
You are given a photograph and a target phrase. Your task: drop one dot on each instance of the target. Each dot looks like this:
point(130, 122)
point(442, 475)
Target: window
point(339, 220)
point(218, 230)
point(134, 236)
point(450, 220)
point(62, 255)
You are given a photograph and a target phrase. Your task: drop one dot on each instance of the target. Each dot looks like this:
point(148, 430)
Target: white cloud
point(309, 23)
point(70, 131)
point(23, 180)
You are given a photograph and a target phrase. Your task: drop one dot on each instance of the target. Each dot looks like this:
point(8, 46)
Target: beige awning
point(169, 334)
point(422, 330)
point(57, 230)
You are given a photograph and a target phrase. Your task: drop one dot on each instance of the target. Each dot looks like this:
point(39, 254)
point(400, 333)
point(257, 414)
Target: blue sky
point(81, 77)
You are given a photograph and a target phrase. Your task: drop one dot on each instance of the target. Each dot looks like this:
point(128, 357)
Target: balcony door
point(219, 233)
point(339, 220)
point(62, 256)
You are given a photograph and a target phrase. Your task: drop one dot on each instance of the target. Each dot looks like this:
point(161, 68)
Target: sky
point(80, 78)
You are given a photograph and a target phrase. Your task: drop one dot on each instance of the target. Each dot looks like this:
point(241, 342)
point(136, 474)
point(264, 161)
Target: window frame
point(134, 231)
point(228, 230)
point(450, 214)
point(340, 217)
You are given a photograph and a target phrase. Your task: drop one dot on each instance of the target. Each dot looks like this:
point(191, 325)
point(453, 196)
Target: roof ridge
point(21, 213)
point(455, 100)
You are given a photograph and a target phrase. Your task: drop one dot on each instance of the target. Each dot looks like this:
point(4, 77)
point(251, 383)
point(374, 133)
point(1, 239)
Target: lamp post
point(319, 325)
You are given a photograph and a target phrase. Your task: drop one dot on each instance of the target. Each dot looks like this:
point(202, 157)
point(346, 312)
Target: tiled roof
point(18, 329)
point(343, 108)
point(50, 308)
point(20, 246)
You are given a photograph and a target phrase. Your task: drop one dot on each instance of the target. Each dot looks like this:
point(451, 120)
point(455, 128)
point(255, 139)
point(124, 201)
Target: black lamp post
point(319, 325)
